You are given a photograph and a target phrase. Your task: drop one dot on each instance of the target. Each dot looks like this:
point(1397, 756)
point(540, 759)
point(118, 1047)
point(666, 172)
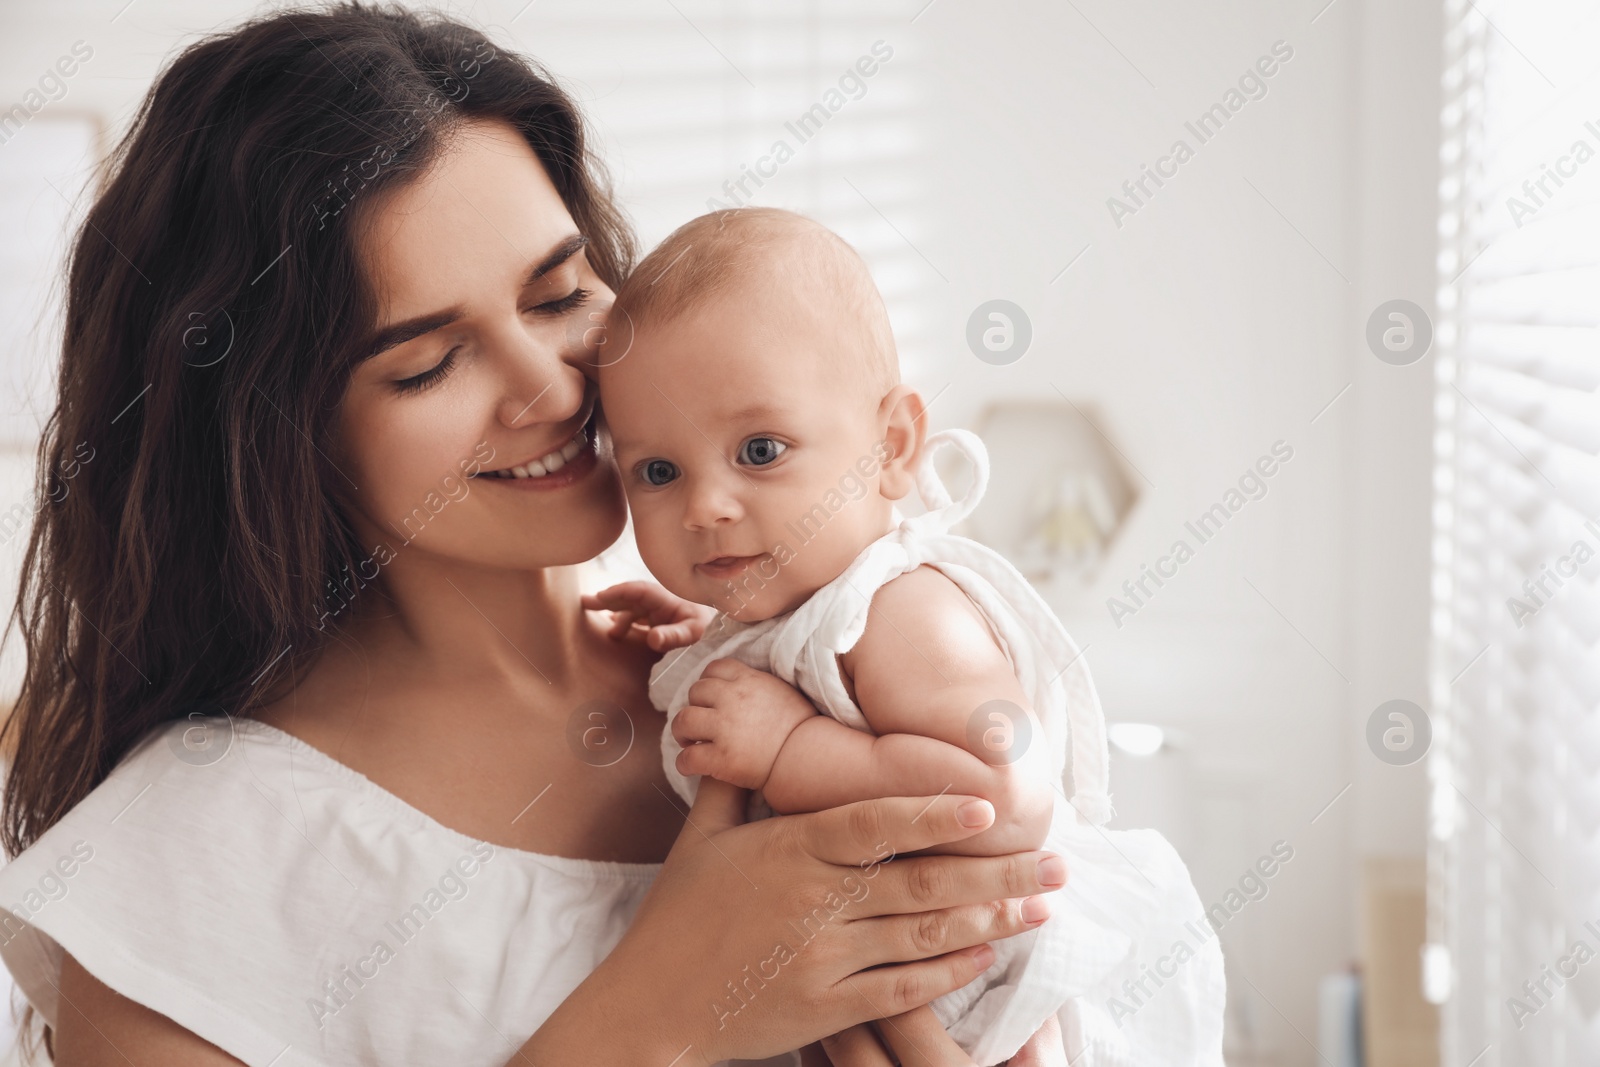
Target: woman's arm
point(867, 936)
point(125, 1031)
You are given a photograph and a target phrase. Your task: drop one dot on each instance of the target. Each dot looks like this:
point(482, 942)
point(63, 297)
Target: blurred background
point(1279, 321)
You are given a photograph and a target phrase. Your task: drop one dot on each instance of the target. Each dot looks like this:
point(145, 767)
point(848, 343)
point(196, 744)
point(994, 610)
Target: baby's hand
point(735, 722)
point(643, 611)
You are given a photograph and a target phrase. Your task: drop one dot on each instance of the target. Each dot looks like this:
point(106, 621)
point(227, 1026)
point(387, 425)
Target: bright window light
point(1136, 738)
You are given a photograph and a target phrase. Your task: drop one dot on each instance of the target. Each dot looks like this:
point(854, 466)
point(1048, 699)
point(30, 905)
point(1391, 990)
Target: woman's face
point(488, 318)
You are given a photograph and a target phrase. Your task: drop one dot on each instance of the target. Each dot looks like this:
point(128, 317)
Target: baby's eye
point(759, 451)
point(658, 472)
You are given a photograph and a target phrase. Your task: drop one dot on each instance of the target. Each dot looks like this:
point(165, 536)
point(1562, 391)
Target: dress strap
point(943, 512)
point(926, 538)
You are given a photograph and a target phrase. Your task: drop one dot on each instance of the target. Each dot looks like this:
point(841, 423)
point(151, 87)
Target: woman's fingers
point(717, 806)
point(874, 830)
point(934, 933)
point(923, 883)
point(896, 990)
point(918, 1039)
point(856, 1047)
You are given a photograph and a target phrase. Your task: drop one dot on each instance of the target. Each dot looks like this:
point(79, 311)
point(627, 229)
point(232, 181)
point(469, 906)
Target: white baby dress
point(1126, 958)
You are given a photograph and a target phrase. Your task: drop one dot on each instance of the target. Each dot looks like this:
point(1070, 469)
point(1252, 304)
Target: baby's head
point(756, 410)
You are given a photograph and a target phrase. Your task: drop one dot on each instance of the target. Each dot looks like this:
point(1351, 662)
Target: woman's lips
point(574, 470)
point(725, 566)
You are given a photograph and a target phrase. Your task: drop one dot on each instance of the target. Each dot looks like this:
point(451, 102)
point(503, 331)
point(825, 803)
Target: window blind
point(809, 105)
point(1514, 862)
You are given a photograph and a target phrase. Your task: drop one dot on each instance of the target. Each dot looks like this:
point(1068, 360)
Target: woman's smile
point(556, 469)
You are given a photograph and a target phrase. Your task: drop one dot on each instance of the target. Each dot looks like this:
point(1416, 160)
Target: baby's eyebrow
point(753, 411)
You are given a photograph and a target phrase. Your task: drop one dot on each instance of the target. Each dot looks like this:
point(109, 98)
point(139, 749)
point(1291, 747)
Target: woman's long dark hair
point(188, 532)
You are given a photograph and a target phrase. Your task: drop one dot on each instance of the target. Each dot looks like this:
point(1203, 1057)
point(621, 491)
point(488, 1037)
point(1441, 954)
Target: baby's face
point(751, 471)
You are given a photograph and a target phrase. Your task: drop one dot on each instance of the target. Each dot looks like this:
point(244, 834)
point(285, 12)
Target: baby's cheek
point(665, 556)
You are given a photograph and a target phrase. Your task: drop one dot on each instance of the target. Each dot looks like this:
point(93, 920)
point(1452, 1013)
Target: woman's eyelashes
point(575, 299)
point(435, 374)
point(432, 376)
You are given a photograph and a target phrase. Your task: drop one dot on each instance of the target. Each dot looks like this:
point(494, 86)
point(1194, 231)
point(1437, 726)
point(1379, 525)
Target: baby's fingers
point(671, 635)
point(605, 600)
point(702, 759)
point(637, 596)
point(694, 724)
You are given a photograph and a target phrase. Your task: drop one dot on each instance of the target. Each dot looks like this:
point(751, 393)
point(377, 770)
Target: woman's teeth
point(547, 464)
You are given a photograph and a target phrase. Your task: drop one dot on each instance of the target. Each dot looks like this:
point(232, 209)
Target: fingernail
point(983, 955)
point(1052, 872)
point(1035, 910)
point(975, 813)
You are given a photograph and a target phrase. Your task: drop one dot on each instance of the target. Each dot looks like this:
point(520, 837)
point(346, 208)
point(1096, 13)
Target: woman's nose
point(539, 379)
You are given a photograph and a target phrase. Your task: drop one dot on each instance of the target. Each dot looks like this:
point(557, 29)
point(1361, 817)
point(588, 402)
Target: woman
point(319, 757)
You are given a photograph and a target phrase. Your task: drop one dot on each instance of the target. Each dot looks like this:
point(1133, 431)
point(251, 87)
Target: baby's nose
point(711, 504)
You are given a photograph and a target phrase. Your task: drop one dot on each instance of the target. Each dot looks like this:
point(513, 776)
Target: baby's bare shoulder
point(925, 588)
point(927, 658)
point(924, 614)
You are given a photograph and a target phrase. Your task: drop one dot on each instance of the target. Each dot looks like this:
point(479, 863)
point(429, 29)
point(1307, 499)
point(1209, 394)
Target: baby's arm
point(921, 671)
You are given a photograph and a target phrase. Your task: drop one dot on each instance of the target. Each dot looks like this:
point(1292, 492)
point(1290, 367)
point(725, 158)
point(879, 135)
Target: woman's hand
point(761, 938)
point(645, 612)
point(916, 1039)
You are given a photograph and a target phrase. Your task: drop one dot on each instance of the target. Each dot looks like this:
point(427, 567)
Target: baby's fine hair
point(727, 251)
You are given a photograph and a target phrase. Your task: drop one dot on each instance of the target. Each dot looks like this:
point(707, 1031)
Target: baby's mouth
point(725, 566)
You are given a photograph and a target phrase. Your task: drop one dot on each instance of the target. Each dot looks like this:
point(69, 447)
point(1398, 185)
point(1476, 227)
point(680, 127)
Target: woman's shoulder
point(230, 876)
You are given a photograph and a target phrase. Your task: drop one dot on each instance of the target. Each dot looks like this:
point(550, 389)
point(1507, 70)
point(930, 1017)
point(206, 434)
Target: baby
point(753, 396)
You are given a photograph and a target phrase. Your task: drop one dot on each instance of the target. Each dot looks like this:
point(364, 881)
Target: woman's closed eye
point(575, 299)
point(432, 376)
point(435, 374)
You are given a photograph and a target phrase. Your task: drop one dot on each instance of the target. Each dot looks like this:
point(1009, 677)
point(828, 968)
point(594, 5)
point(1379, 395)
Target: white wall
point(1223, 316)
point(1209, 325)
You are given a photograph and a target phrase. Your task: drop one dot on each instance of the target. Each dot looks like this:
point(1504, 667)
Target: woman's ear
point(902, 417)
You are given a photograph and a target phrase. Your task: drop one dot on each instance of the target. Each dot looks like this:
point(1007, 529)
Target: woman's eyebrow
point(401, 332)
point(412, 328)
point(569, 247)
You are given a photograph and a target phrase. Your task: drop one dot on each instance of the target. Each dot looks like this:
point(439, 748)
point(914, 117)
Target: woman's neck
point(448, 619)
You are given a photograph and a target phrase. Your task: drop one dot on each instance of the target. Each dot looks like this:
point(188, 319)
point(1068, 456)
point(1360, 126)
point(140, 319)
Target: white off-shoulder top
point(286, 909)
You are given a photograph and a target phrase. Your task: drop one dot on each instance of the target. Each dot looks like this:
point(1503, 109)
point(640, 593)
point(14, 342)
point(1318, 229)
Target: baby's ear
point(903, 418)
